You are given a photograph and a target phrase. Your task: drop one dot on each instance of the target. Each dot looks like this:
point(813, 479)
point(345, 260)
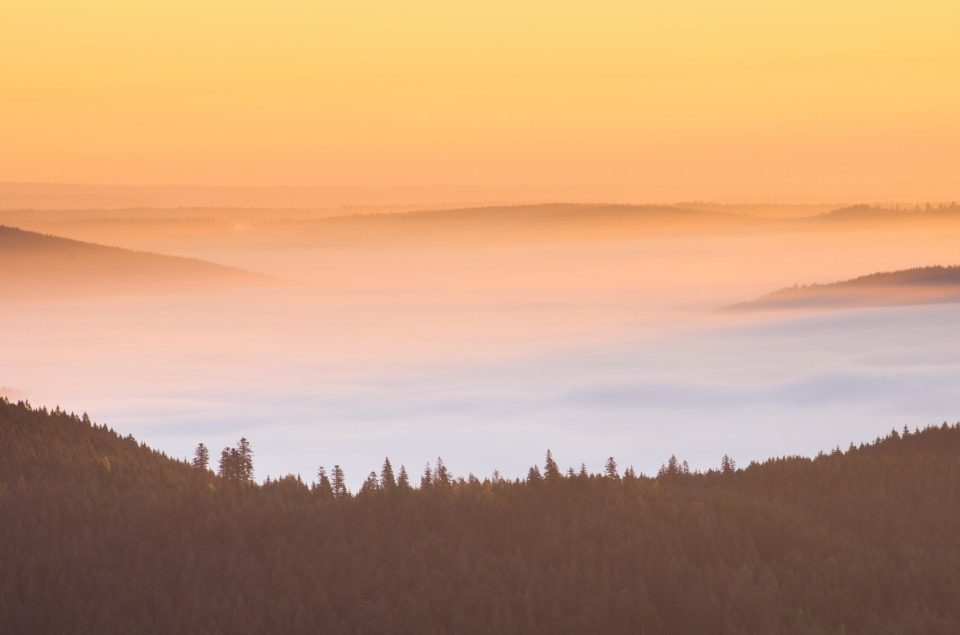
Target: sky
point(489, 347)
point(671, 100)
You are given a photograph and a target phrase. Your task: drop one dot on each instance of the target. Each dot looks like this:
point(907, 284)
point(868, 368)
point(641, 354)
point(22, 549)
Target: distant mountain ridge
point(38, 264)
point(868, 212)
point(547, 223)
point(920, 285)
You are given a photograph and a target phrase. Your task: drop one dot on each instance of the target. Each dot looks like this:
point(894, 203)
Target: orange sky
point(671, 99)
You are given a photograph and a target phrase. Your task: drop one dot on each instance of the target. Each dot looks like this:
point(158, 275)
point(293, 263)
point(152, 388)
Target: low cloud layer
point(490, 355)
point(751, 391)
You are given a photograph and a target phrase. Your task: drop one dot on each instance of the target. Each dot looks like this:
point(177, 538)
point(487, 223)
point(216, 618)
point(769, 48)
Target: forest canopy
point(100, 533)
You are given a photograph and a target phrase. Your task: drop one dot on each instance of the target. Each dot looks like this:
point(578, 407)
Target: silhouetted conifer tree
point(386, 476)
point(441, 475)
point(201, 457)
point(727, 465)
point(426, 479)
point(673, 465)
point(324, 488)
point(245, 460)
point(229, 465)
point(610, 469)
point(371, 485)
point(338, 483)
point(403, 481)
point(236, 464)
point(550, 470)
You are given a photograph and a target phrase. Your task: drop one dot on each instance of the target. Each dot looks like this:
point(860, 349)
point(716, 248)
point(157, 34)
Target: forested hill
point(99, 533)
point(921, 285)
point(40, 266)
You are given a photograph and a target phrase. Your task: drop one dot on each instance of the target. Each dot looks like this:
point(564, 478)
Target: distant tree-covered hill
point(921, 285)
point(35, 265)
point(99, 533)
point(896, 214)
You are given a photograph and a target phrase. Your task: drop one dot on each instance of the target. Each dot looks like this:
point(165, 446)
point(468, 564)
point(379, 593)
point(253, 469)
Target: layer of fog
point(174, 376)
point(488, 355)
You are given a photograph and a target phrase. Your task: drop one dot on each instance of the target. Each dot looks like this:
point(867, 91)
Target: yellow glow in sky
point(738, 96)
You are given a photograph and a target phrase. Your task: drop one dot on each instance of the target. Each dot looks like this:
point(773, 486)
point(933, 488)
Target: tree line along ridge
point(100, 533)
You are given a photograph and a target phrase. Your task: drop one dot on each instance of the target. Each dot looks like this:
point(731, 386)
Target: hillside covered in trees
point(43, 266)
point(99, 533)
point(920, 285)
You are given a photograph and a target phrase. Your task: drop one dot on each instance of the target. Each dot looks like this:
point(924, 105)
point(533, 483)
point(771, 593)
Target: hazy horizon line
point(347, 195)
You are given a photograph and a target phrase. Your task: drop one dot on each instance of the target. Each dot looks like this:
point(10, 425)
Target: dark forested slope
point(921, 285)
point(35, 265)
point(101, 534)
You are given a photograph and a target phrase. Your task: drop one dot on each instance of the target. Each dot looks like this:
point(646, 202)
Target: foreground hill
point(101, 534)
point(37, 265)
point(923, 285)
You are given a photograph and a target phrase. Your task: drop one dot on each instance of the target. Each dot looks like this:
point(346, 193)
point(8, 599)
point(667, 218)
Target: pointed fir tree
point(244, 461)
point(533, 475)
point(387, 481)
point(441, 475)
point(371, 485)
point(673, 465)
point(324, 488)
point(403, 481)
point(551, 472)
point(338, 483)
point(201, 457)
point(727, 465)
point(426, 479)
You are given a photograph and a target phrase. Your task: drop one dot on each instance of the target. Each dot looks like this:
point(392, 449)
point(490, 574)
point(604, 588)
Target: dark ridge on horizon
point(864, 212)
point(919, 285)
point(16, 195)
point(34, 195)
point(541, 210)
point(44, 266)
point(23, 195)
point(540, 223)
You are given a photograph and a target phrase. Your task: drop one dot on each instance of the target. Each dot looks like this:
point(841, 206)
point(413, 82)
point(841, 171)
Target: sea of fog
point(312, 377)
